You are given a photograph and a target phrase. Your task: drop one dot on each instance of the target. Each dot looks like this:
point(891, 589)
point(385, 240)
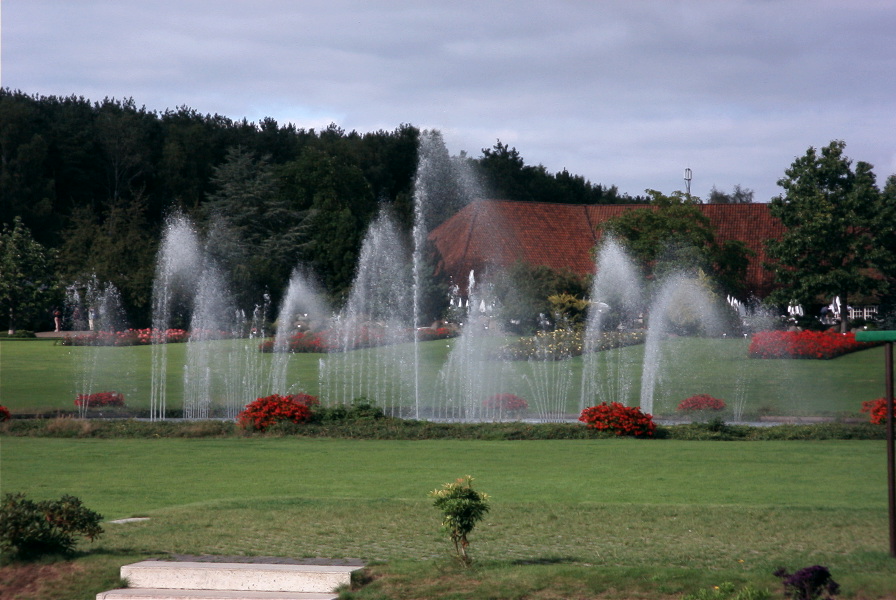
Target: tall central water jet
point(302, 308)
point(683, 306)
point(468, 377)
point(172, 299)
point(372, 335)
point(616, 301)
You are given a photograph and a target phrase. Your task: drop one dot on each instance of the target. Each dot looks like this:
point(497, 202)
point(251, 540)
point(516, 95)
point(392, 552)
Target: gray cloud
point(626, 93)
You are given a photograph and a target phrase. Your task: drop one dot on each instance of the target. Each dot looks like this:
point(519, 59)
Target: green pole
point(891, 453)
point(888, 337)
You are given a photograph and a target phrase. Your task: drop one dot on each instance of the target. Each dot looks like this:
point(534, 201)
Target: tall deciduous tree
point(884, 252)
point(673, 234)
point(25, 275)
point(829, 210)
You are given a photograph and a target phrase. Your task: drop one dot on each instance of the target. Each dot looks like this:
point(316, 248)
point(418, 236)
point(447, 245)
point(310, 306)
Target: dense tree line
point(94, 181)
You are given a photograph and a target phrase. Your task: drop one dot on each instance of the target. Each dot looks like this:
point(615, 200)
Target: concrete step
point(162, 594)
point(158, 574)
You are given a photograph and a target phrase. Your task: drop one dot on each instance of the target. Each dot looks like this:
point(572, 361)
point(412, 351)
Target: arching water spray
point(683, 305)
point(177, 266)
point(616, 301)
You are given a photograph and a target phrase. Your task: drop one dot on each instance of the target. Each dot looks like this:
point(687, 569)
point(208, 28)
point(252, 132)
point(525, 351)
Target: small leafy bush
point(701, 403)
point(462, 507)
point(18, 334)
point(31, 529)
point(4, 414)
point(619, 419)
point(360, 408)
point(505, 402)
point(264, 412)
point(810, 583)
point(877, 409)
point(100, 399)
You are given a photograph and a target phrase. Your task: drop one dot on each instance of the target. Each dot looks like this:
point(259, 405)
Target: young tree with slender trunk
point(25, 275)
point(829, 211)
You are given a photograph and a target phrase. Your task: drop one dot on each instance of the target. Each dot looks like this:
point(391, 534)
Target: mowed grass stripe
point(121, 478)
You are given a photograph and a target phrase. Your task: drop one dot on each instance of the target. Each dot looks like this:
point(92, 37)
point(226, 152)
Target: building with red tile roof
point(497, 233)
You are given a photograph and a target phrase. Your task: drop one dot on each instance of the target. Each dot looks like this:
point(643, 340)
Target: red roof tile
point(561, 236)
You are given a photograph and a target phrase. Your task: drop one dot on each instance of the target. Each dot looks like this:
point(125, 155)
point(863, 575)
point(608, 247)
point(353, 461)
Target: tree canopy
point(836, 239)
point(96, 180)
point(739, 195)
point(506, 176)
point(672, 234)
point(25, 276)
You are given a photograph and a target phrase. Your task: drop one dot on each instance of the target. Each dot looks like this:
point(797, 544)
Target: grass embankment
point(616, 518)
point(38, 376)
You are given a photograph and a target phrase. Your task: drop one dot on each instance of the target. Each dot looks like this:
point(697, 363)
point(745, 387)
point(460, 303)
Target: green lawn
point(37, 375)
point(643, 518)
point(603, 518)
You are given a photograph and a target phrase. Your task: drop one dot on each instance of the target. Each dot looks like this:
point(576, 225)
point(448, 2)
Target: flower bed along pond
point(805, 344)
point(134, 337)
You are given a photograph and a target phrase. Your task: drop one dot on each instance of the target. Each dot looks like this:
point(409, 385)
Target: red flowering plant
point(505, 402)
point(877, 409)
point(131, 337)
point(304, 341)
point(426, 334)
point(265, 412)
point(99, 399)
point(701, 403)
point(621, 420)
point(804, 344)
point(4, 414)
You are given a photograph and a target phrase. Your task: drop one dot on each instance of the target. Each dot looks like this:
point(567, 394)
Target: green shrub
point(462, 507)
point(360, 408)
point(31, 529)
point(19, 334)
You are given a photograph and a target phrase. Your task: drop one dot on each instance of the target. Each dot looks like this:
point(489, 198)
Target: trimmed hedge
point(364, 424)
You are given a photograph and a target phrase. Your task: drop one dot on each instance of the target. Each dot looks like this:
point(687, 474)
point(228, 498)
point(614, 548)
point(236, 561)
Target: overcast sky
point(625, 93)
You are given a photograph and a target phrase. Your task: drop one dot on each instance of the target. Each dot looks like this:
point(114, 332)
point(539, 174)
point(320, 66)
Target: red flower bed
point(507, 402)
point(877, 409)
point(264, 412)
point(804, 344)
point(4, 414)
point(427, 334)
point(131, 337)
point(311, 342)
point(100, 399)
point(621, 420)
point(701, 402)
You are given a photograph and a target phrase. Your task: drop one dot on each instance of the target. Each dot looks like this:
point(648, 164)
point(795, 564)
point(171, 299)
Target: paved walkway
point(59, 334)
